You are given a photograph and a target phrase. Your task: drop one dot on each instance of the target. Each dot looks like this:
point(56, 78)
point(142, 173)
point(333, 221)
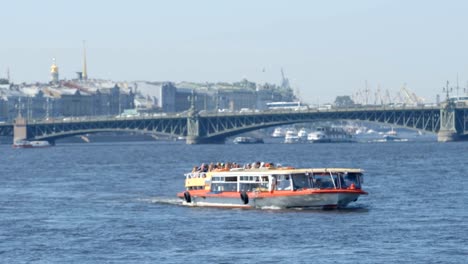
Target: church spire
point(85, 73)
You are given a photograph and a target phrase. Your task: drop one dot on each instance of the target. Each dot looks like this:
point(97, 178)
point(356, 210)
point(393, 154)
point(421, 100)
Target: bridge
point(449, 122)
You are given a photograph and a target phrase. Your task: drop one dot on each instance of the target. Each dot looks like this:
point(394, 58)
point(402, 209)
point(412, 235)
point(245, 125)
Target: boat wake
point(162, 200)
point(271, 208)
point(179, 202)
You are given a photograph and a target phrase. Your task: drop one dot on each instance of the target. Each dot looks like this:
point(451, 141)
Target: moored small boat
point(392, 135)
point(277, 133)
point(247, 140)
point(302, 134)
point(31, 144)
point(273, 187)
point(391, 138)
point(291, 136)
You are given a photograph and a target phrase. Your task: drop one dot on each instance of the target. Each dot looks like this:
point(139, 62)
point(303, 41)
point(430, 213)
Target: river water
point(115, 203)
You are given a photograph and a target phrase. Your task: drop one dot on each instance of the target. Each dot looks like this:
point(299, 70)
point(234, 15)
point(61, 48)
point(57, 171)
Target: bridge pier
point(447, 136)
point(191, 140)
point(448, 130)
point(19, 129)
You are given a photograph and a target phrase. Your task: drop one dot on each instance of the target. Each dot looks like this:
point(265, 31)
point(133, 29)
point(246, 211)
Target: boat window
point(250, 183)
point(300, 181)
point(283, 182)
point(250, 178)
point(248, 187)
point(195, 175)
point(231, 179)
point(225, 179)
point(323, 181)
point(224, 187)
point(264, 182)
point(350, 178)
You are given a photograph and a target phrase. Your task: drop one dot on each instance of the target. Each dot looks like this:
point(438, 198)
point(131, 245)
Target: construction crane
point(284, 81)
point(410, 97)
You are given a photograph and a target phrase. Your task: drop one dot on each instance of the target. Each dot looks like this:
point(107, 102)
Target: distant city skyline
point(326, 49)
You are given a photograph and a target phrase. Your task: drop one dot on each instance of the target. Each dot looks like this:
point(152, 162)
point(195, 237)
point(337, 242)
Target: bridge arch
point(216, 128)
point(61, 135)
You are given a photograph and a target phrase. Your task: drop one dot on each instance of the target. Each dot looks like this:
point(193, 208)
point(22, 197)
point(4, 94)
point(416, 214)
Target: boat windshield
point(347, 179)
point(336, 180)
point(324, 181)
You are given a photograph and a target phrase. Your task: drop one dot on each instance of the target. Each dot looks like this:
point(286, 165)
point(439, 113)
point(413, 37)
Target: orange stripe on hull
point(204, 193)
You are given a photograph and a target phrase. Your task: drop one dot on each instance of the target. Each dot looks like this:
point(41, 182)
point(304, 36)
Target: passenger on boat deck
point(211, 166)
point(203, 167)
point(195, 169)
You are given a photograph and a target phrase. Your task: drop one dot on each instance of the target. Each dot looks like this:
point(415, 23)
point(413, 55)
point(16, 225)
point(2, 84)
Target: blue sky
point(327, 48)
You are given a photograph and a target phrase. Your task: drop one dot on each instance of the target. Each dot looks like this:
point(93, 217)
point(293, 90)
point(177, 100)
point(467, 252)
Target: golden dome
point(54, 68)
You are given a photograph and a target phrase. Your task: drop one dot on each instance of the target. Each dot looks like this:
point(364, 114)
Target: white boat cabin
point(275, 180)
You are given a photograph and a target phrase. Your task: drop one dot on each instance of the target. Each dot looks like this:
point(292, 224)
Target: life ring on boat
point(244, 197)
point(187, 197)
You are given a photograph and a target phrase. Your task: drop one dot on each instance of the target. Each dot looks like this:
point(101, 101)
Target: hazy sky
point(327, 48)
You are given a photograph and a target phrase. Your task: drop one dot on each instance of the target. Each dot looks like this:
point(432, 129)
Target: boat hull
point(280, 199)
point(328, 140)
point(31, 144)
point(248, 140)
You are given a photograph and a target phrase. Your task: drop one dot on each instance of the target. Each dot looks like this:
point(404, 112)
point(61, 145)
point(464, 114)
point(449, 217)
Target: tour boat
point(273, 187)
point(31, 144)
point(329, 135)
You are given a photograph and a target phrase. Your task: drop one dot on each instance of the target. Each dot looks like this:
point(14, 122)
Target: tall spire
point(85, 73)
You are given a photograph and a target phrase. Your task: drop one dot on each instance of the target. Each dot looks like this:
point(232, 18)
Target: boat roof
point(283, 170)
